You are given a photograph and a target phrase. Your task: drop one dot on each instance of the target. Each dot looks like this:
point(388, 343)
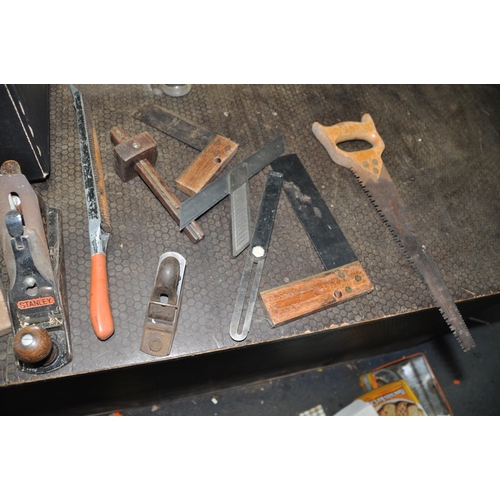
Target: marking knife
point(98, 216)
point(370, 171)
point(344, 277)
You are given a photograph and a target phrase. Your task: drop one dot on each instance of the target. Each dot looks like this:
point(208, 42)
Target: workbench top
point(442, 149)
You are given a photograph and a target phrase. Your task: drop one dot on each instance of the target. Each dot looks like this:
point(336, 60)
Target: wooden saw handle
point(100, 307)
point(367, 160)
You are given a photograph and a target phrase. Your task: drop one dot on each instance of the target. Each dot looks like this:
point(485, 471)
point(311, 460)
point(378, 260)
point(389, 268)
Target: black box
point(25, 128)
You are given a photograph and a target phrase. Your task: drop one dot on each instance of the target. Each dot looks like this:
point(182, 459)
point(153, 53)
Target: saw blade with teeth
point(370, 171)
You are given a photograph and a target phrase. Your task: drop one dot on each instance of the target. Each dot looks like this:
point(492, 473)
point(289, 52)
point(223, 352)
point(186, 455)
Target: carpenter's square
point(98, 217)
point(369, 169)
point(216, 150)
point(235, 184)
point(344, 277)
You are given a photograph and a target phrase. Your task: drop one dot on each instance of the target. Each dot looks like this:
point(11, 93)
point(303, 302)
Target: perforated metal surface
point(442, 151)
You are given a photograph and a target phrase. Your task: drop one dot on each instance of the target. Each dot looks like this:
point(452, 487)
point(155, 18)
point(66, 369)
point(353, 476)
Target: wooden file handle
point(368, 160)
point(100, 307)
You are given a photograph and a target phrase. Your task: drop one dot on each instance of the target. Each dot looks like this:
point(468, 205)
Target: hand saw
point(344, 277)
point(370, 171)
point(98, 217)
point(216, 150)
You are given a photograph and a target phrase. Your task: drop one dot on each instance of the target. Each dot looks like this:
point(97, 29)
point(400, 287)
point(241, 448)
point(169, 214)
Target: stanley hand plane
point(31, 239)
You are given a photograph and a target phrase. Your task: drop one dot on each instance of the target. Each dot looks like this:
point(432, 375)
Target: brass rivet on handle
point(341, 274)
point(348, 289)
point(357, 277)
point(337, 294)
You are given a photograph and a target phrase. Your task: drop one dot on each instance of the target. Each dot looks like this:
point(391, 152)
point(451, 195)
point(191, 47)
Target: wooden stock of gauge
point(137, 156)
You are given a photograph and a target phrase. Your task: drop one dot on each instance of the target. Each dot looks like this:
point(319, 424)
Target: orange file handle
point(100, 307)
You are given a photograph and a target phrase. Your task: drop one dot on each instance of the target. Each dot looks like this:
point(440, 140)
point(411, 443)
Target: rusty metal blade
point(387, 201)
point(369, 169)
point(91, 156)
point(175, 126)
